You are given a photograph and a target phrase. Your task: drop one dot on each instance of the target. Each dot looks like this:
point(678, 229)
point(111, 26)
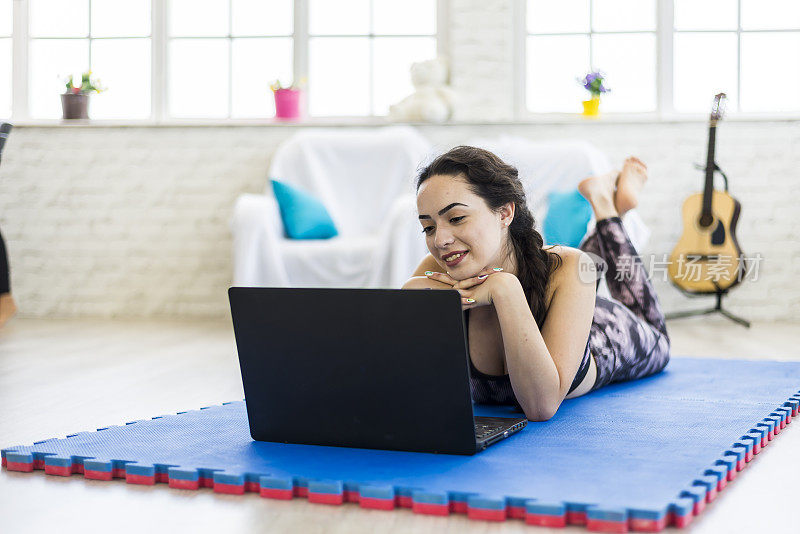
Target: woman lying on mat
point(537, 331)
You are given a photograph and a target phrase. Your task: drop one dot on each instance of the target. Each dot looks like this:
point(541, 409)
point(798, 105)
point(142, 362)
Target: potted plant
point(593, 82)
point(75, 100)
point(288, 99)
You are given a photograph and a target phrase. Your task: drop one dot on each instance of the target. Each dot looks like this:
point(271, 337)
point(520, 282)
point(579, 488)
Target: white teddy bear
point(432, 101)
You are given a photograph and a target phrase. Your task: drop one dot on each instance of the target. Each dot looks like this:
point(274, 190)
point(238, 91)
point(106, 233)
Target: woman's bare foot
point(599, 191)
point(7, 308)
point(630, 183)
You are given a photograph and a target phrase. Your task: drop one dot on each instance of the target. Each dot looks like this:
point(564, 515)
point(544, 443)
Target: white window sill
point(533, 119)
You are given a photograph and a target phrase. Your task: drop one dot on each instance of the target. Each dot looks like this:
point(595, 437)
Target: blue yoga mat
point(642, 455)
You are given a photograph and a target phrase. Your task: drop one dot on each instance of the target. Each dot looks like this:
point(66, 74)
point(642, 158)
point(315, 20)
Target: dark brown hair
point(498, 183)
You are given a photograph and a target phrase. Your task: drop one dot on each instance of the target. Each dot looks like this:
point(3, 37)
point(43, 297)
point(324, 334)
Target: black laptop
point(369, 368)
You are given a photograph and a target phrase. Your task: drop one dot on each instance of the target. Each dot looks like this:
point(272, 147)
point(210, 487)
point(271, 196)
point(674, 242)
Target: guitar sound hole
point(705, 220)
point(718, 236)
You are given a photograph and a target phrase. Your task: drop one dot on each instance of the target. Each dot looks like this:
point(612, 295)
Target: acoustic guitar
point(707, 258)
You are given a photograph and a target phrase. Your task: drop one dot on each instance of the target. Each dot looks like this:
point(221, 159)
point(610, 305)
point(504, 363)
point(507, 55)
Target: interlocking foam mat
point(639, 455)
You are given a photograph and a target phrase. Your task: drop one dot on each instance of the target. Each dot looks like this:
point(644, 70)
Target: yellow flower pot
point(591, 108)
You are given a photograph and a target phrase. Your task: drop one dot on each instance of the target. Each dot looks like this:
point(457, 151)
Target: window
point(663, 55)
point(223, 55)
point(6, 18)
point(567, 39)
point(213, 58)
point(746, 48)
point(109, 37)
point(360, 52)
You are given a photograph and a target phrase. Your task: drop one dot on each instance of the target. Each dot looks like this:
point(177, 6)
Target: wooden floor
point(58, 377)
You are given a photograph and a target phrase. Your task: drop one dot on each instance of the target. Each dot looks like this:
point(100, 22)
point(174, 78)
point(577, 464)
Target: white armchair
point(365, 178)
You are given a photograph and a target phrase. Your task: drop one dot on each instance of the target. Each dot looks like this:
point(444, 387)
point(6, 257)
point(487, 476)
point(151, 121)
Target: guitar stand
point(715, 309)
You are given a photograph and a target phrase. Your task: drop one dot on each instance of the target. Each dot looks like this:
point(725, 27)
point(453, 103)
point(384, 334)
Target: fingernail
point(481, 277)
point(470, 300)
point(428, 273)
point(497, 268)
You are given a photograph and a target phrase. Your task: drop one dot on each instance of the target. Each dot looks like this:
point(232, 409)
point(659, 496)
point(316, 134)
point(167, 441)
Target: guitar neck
point(710, 166)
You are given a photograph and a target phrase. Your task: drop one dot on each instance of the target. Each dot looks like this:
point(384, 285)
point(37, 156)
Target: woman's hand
point(475, 291)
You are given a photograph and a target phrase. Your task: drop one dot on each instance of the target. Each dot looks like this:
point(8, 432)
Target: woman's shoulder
point(566, 256)
point(569, 269)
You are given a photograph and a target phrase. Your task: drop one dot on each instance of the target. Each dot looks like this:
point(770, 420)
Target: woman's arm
point(418, 280)
point(543, 363)
point(423, 282)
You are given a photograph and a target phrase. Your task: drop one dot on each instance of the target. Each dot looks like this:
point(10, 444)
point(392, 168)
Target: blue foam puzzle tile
point(695, 493)
point(578, 507)
point(738, 452)
point(140, 469)
point(682, 506)
point(728, 461)
point(404, 491)
point(377, 492)
point(229, 478)
point(98, 465)
point(546, 508)
point(657, 450)
point(177, 473)
point(719, 472)
point(428, 497)
point(517, 502)
point(276, 483)
point(709, 482)
point(486, 502)
point(326, 486)
point(654, 515)
point(59, 461)
point(51, 439)
point(607, 514)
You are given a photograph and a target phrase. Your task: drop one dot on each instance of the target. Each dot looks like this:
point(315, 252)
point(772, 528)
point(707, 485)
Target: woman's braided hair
point(498, 183)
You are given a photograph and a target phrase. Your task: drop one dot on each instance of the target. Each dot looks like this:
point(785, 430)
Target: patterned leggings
point(628, 336)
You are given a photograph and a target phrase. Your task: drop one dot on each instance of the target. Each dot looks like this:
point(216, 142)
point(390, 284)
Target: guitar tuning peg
point(699, 167)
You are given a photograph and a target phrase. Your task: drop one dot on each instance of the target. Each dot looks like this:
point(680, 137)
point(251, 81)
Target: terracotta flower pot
point(75, 106)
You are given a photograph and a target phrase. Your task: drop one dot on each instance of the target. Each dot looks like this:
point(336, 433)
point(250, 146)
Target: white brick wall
point(133, 221)
point(482, 70)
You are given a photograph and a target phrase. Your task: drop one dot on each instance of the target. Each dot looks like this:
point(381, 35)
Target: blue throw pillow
point(568, 213)
point(304, 217)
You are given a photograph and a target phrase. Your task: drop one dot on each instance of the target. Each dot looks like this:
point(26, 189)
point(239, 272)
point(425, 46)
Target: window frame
point(303, 23)
point(20, 40)
point(665, 109)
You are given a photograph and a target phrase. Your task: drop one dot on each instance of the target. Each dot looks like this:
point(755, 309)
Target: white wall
point(132, 221)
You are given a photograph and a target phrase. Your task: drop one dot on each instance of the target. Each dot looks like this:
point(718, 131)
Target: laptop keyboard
point(486, 426)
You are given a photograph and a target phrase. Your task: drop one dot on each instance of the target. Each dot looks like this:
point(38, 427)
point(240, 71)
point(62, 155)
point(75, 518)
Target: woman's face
point(454, 219)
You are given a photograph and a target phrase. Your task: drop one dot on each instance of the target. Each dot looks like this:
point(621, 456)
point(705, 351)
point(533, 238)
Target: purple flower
point(593, 82)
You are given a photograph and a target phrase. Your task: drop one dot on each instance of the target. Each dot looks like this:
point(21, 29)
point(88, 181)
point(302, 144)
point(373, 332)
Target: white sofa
point(365, 178)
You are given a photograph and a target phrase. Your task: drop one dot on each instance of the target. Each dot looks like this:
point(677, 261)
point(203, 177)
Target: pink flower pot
point(287, 104)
